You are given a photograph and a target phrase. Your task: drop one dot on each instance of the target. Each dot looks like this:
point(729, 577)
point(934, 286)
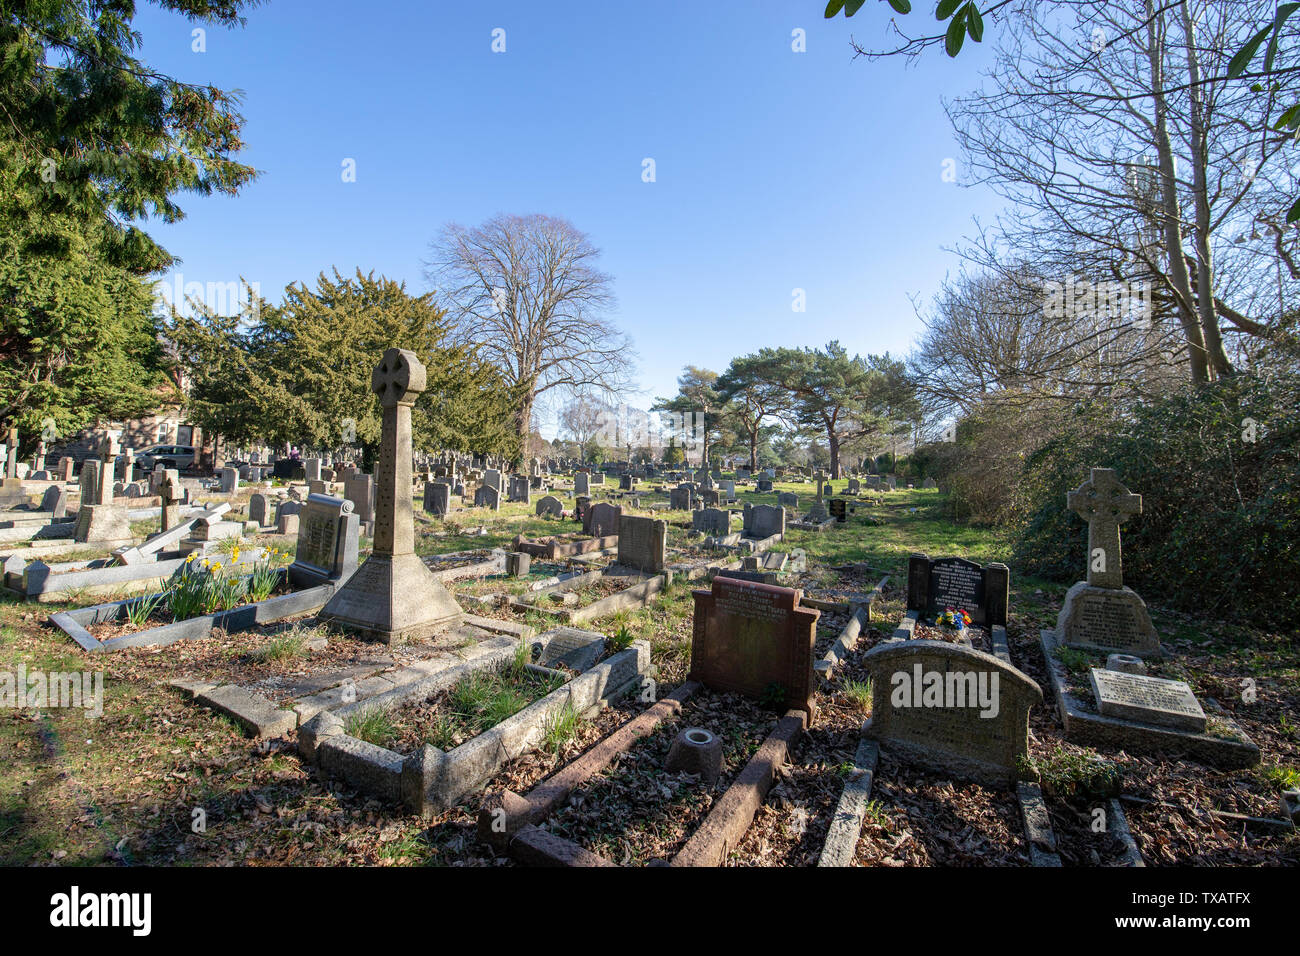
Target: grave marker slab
point(642, 543)
point(933, 585)
point(1150, 700)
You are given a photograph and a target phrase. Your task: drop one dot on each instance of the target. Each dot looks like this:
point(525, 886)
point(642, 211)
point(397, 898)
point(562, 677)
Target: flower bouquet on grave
point(957, 619)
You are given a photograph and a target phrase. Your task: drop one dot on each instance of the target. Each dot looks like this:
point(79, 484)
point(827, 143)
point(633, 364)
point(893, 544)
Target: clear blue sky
point(776, 170)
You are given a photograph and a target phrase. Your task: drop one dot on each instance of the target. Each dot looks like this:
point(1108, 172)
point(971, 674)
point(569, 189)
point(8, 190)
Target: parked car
point(169, 456)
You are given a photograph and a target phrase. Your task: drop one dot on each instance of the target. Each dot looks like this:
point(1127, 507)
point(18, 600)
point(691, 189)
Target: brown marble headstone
point(749, 637)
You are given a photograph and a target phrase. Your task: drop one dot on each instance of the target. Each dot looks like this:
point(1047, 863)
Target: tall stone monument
point(393, 597)
point(1101, 613)
point(99, 520)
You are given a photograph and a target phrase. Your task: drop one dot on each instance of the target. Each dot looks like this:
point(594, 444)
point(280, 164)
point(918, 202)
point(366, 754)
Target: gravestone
point(359, 489)
point(626, 483)
point(437, 498)
point(67, 468)
point(642, 543)
point(855, 486)
point(492, 478)
point(311, 470)
point(169, 496)
point(101, 520)
point(1101, 613)
point(487, 496)
point(935, 585)
point(787, 499)
point(520, 489)
point(839, 509)
point(55, 501)
point(1150, 700)
point(681, 498)
point(569, 647)
point(818, 513)
point(929, 483)
point(755, 639)
point(950, 708)
point(229, 478)
point(328, 531)
point(581, 483)
point(711, 521)
point(550, 505)
point(259, 509)
point(764, 484)
point(603, 519)
point(393, 596)
point(727, 489)
point(763, 521)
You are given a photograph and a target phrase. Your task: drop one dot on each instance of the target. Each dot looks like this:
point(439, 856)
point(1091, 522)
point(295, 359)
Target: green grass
point(859, 693)
point(374, 726)
point(1282, 778)
point(284, 647)
point(561, 727)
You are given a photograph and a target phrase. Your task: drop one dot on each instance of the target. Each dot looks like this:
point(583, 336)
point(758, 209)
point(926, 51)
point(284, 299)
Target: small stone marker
point(763, 521)
point(951, 708)
point(1148, 700)
point(549, 505)
point(642, 543)
point(259, 509)
point(754, 638)
point(839, 510)
point(711, 521)
point(394, 597)
point(437, 498)
point(572, 648)
point(1101, 613)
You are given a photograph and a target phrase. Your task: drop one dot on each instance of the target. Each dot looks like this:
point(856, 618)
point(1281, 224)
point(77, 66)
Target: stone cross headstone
point(1100, 613)
point(394, 597)
point(11, 453)
point(169, 494)
point(1105, 504)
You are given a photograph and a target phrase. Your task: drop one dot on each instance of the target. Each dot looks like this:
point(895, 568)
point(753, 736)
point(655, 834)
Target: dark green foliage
point(1220, 528)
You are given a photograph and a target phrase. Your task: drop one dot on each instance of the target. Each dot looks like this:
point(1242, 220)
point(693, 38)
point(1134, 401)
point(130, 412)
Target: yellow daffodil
point(190, 559)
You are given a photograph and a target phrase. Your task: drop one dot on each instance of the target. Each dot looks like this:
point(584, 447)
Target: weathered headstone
point(550, 505)
point(55, 501)
point(487, 496)
point(394, 596)
point(711, 521)
point(520, 489)
point(328, 531)
point(1101, 613)
point(1150, 700)
point(681, 498)
point(603, 520)
point(437, 498)
point(642, 543)
point(755, 639)
point(951, 708)
point(581, 483)
point(763, 521)
point(259, 509)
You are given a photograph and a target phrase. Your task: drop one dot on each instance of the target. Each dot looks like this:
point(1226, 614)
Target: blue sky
point(775, 170)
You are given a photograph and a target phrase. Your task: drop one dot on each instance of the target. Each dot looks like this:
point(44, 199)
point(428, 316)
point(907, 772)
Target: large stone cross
point(820, 479)
point(1105, 504)
point(398, 379)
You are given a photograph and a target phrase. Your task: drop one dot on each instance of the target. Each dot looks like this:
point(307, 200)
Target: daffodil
point(190, 559)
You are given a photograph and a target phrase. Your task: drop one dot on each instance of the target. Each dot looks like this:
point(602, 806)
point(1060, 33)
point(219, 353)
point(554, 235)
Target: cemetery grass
point(123, 788)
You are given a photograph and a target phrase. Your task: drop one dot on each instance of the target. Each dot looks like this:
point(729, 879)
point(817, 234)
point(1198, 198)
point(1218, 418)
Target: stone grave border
point(260, 717)
point(1093, 729)
point(638, 595)
point(859, 620)
point(552, 549)
point(431, 780)
point(719, 832)
point(493, 565)
point(76, 623)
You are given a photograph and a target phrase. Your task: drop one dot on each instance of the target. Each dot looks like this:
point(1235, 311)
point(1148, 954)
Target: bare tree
point(526, 291)
point(1128, 156)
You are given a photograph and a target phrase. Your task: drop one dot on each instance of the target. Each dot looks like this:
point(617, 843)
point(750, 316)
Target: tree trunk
point(1209, 317)
point(1170, 213)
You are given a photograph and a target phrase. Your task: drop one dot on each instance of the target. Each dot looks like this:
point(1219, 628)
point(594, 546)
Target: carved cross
point(820, 477)
point(108, 448)
point(1105, 504)
point(398, 378)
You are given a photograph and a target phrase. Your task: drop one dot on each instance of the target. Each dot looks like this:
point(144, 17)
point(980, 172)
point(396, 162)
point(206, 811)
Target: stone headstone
point(55, 501)
point(520, 489)
point(951, 708)
point(681, 498)
point(487, 496)
point(437, 498)
point(312, 469)
point(763, 521)
point(581, 483)
point(259, 509)
point(603, 519)
point(787, 499)
point(394, 596)
point(642, 543)
point(933, 585)
point(755, 639)
point(1149, 700)
point(1101, 613)
point(929, 483)
point(839, 509)
point(550, 505)
point(765, 484)
point(711, 521)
